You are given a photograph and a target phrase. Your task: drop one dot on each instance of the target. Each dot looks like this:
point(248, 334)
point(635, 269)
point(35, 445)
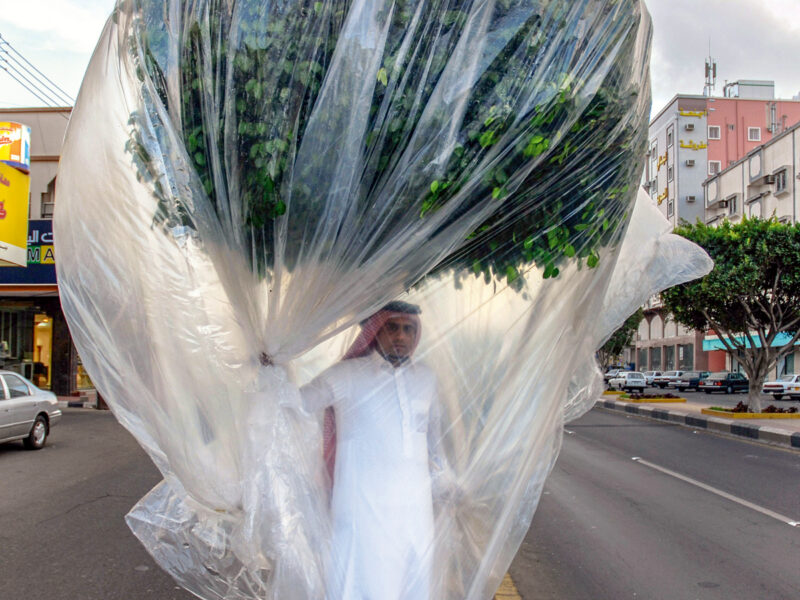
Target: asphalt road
point(612, 527)
point(62, 534)
point(607, 527)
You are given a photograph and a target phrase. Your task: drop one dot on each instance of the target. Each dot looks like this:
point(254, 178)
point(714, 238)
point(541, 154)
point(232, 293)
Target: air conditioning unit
point(769, 179)
point(690, 198)
point(722, 204)
point(689, 127)
point(689, 162)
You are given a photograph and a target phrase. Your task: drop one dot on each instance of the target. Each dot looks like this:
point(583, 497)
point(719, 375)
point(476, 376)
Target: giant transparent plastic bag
point(243, 182)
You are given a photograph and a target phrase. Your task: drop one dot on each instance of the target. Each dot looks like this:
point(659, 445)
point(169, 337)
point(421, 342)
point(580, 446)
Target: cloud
point(750, 39)
point(69, 25)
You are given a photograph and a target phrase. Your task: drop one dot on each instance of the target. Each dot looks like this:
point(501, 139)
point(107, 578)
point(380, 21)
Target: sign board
point(15, 145)
point(41, 268)
point(14, 192)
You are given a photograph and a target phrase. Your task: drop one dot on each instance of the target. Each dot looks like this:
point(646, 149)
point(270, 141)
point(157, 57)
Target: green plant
point(544, 157)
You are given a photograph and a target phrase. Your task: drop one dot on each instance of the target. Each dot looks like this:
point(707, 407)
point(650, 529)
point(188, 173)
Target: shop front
point(34, 337)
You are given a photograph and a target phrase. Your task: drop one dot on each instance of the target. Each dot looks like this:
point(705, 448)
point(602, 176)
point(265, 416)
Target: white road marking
point(726, 495)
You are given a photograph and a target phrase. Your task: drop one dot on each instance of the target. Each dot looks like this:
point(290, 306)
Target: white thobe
point(381, 507)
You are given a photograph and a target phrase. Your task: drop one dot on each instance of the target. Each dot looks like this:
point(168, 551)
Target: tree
point(567, 146)
point(751, 299)
point(621, 338)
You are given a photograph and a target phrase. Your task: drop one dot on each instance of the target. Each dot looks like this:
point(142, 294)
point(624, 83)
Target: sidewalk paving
point(781, 432)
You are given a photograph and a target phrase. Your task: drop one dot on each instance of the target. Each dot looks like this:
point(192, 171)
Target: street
point(608, 526)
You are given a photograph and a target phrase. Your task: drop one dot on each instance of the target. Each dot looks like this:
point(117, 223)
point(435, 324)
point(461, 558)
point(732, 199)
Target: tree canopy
point(620, 339)
point(751, 299)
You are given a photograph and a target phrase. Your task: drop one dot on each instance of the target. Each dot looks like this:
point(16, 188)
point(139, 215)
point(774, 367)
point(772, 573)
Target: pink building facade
point(738, 125)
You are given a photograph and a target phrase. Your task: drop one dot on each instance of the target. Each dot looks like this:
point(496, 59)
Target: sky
point(750, 39)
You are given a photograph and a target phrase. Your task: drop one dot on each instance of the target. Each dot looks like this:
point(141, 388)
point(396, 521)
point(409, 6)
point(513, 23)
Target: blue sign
point(41, 269)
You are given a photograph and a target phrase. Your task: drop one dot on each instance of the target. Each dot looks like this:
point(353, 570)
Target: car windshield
point(691, 374)
point(717, 376)
point(787, 378)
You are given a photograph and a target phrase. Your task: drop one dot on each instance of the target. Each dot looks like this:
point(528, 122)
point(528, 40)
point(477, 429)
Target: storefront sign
point(15, 145)
point(14, 190)
point(41, 260)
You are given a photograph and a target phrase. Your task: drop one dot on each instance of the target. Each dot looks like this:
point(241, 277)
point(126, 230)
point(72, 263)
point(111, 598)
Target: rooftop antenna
point(711, 73)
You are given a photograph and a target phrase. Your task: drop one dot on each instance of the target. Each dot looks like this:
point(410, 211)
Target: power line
point(42, 85)
point(28, 85)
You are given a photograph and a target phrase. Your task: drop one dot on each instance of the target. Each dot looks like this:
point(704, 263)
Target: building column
point(64, 358)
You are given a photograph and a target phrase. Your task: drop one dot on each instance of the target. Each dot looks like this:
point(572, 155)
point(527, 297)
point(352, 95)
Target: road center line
point(726, 495)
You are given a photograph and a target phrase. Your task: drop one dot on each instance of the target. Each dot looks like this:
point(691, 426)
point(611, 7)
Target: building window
point(780, 181)
point(714, 132)
point(732, 205)
point(755, 209)
point(714, 167)
point(670, 135)
point(686, 357)
point(753, 134)
point(641, 362)
point(669, 358)
point(670, 207)
point(670, 173)
point(731, 127)
point(655, 358)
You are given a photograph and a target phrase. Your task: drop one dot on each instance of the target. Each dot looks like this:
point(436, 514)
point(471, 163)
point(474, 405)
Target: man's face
point(396, 338)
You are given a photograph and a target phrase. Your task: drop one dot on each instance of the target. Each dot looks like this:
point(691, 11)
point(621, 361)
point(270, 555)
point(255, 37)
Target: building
point(761, 184)
point(34, 336)
point(693, 139)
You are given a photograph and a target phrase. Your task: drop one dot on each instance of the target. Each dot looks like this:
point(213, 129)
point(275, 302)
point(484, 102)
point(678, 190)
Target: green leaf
point(592, 260)
point(382, 77)
point(434, 186)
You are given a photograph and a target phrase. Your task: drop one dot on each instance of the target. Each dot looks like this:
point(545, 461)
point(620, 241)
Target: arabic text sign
point(15, 145)
point(14, 189)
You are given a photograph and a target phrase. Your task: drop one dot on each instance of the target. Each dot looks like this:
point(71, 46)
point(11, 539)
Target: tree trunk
point(754, 391)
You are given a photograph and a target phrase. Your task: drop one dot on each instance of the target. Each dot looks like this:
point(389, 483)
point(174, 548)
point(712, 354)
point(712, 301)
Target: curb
point(725, 426)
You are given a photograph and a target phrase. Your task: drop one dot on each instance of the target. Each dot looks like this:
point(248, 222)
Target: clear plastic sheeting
point(244, 185)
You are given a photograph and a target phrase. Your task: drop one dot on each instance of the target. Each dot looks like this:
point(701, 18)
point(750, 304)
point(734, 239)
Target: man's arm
point(317, 394)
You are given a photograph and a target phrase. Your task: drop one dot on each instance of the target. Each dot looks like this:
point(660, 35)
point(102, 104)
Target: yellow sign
point(694, 145)
point(14, 190)
point(662, 160)
point(15, 145)
point(692, 113)
point(662, 197)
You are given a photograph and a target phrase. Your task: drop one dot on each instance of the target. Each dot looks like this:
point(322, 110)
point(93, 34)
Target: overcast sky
point(750, 39)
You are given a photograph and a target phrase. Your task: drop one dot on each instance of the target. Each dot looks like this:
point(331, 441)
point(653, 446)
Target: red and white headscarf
point(363, 345)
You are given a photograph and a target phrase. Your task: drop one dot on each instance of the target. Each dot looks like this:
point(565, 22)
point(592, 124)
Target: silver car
point(26, 412)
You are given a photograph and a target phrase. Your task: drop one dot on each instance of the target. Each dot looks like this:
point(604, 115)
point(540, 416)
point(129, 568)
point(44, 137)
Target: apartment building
point(693, 140)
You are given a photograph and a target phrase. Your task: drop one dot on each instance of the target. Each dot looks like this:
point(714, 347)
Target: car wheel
point(38, 435)
point(729, 389)
point(777, 396)
point(707, 391)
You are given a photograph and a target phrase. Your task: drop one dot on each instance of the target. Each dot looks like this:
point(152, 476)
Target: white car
point(628, 380)
point(649, 375)
point(787, 385)
point(666, 378)
point(26, 412)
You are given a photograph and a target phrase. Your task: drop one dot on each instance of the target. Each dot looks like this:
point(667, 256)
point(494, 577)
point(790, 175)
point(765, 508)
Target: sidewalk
point(781, 432)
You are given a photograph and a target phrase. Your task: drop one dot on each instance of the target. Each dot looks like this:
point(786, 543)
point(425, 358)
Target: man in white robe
point(385, 406)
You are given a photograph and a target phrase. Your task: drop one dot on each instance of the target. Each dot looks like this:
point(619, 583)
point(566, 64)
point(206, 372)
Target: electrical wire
point(35, 82)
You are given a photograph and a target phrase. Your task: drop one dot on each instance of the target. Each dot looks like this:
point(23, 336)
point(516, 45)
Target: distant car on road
point(611, 373)
point(666, 378)
point(689, 380)
point(26, 412)
point(724, 382)
point(628, 380)
point(786, 385)
point(649, 375)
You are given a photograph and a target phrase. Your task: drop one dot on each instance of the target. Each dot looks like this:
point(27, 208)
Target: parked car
point(649, 375)
point(628, 380)
point(786, 385)
point(725, 382)
point(26, 412)
point(665, 378)
point(611, 373)
point(689, 380)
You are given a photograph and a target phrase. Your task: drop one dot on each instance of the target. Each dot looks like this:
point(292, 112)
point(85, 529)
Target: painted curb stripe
point(507, 590)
